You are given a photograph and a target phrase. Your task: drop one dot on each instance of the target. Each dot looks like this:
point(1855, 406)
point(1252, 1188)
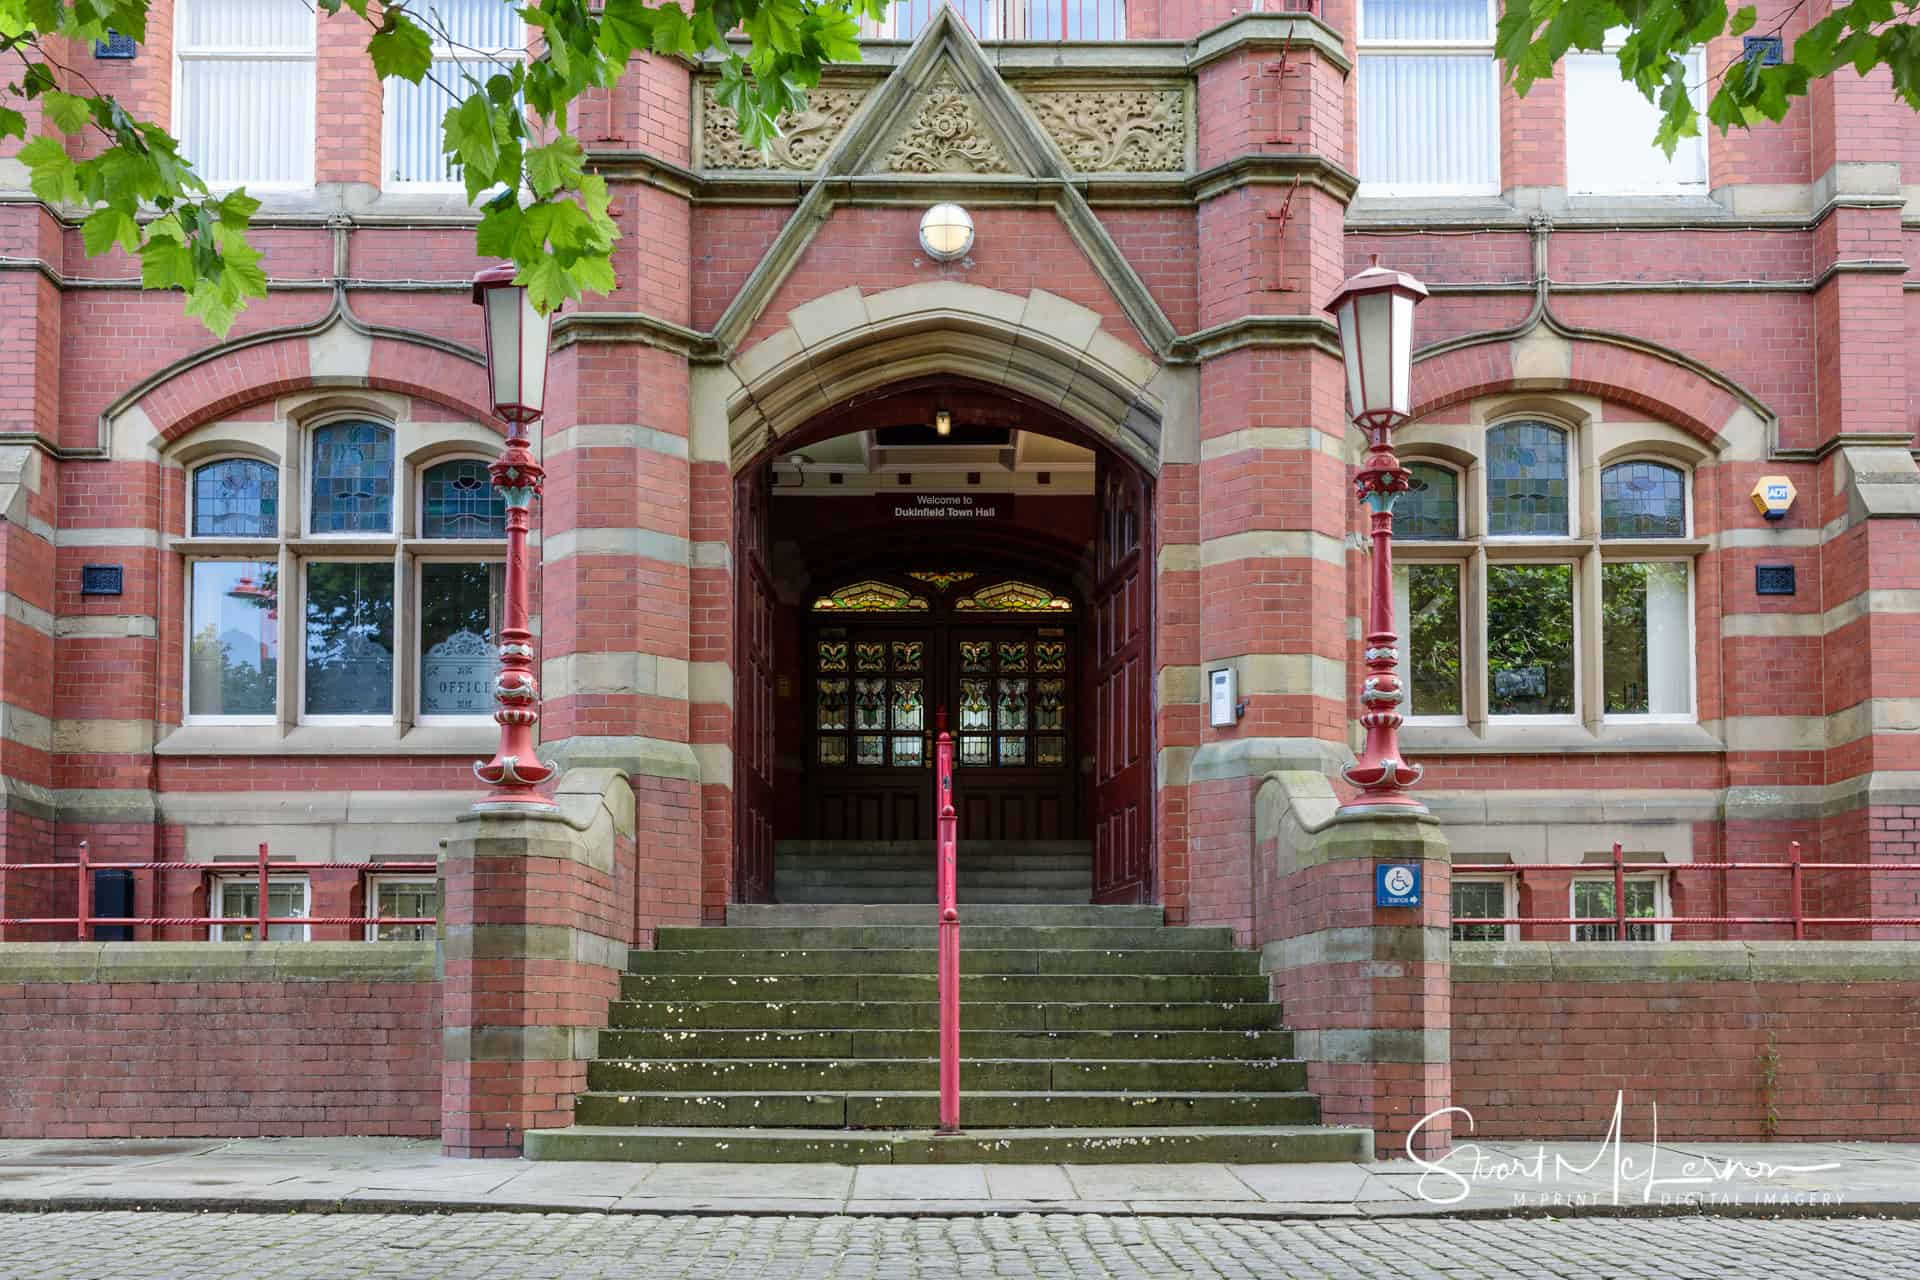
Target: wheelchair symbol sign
point(1396, 884)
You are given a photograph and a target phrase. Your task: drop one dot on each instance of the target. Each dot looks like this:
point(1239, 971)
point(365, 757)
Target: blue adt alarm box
point(1396, 884)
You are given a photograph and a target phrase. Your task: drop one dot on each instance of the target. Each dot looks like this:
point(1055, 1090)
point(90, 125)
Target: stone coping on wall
point(1564, 962)
point(23, 963)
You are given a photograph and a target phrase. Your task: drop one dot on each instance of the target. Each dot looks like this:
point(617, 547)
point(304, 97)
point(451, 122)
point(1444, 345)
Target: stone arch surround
point(1037, 348)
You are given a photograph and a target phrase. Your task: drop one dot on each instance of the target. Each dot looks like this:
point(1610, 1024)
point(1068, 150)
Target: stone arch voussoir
point(1040, 347)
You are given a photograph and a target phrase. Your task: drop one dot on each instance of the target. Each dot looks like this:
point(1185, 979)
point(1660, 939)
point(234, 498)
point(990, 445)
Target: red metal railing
point(1795, 868)
point(84, 866)
point(947, 851)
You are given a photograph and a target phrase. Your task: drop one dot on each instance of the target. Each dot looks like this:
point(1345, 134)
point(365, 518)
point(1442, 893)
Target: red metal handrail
point(84, 918)
point(1795, 867)
point(947, 854)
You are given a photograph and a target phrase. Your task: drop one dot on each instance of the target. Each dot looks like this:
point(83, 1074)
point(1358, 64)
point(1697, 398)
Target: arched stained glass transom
point(1528, 494)
point(352, 478)
point(1430, 509)
point(1643, 499)
point(458, 500)
point(236, 498)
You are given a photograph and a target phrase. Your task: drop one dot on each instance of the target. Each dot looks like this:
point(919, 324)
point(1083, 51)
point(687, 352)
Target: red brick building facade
point(1142, 386)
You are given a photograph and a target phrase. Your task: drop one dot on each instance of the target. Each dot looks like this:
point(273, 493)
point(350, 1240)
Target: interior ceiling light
point(942, 423)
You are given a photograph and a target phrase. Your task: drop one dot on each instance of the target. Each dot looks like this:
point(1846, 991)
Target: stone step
point(991, 937)
point(911, 895)
point(1075, 1045)
point(924, 861)
point(924, 848)
point(806, 1015)
point(794, 1075)
point(920, 1109)
point(788, 915)
point(972, 960)
point(1261, 1144)
point(787, 880)
point(980, 988)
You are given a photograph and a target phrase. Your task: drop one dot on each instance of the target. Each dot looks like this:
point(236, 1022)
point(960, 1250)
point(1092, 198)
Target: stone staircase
point(808, 1033)
point(880, 871)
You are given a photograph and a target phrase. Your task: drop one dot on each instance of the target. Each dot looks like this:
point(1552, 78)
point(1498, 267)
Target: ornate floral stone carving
point(804, 137)
point(947, 135)
point(1116, 130)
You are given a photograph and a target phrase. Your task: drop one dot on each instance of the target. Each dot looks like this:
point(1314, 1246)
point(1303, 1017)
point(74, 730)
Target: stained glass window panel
point(908, 654)
point(831, 705)
point(1013, 657)
point(459, 607)
point(869, 656)
point(1431, 508)
point(1013, 704)
point(349, 639)
point(870, 596)
point(870, 749)
point(234, 664)
point(1049, 751)
point(459, 501)
point(1643, 500)
point(353, 478)
point(1530, 639)
point(1013, 750)
point(909, 705)
point(1050, 655)
point(976, 655)
point(1049, 704)
point(908, 751)
point(833, 752)
point(1527, 488)
point(869, 704)
point(976, 749)
point(238, 498)
point(833, 655)
point(976, 705)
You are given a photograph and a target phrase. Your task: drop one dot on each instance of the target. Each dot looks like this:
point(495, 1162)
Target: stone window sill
point(1565, 739)
point(476, 740)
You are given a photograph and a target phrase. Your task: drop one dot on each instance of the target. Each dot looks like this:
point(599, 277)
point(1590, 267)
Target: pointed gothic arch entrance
point(864, 608)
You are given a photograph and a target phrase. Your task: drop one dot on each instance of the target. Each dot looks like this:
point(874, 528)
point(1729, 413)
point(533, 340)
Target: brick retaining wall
point(1803, 1042)
point(218, 1040)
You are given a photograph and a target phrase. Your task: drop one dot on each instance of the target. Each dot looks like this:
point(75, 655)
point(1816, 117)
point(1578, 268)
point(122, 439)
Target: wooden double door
point(1012, 699)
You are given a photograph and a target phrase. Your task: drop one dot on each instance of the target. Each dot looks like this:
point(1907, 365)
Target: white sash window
point(1428, 98)
point(243, 93)
point(471, 38)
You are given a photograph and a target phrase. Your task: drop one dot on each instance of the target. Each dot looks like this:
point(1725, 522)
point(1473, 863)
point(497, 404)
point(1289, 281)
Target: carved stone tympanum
point(804, 137)
point(1116, 130)
point(947, 135)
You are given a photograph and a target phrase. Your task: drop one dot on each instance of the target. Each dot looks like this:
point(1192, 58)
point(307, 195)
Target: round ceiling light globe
point(946, 232)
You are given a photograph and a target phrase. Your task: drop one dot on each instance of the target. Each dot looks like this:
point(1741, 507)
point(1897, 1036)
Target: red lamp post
point(1375, 311)
point(517, 380)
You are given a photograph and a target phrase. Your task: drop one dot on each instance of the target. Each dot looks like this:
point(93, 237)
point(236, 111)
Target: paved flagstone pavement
point(351, 1208)
point(135, 1246)
point(370, 1174)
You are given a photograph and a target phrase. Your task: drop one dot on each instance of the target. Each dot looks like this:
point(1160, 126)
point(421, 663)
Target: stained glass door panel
point(871, 733)
point(1011, 689)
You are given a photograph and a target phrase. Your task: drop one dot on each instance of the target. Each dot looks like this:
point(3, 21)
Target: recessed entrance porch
point(993, 571)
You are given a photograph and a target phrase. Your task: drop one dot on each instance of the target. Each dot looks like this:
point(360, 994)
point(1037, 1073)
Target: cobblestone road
point(134, 1246)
